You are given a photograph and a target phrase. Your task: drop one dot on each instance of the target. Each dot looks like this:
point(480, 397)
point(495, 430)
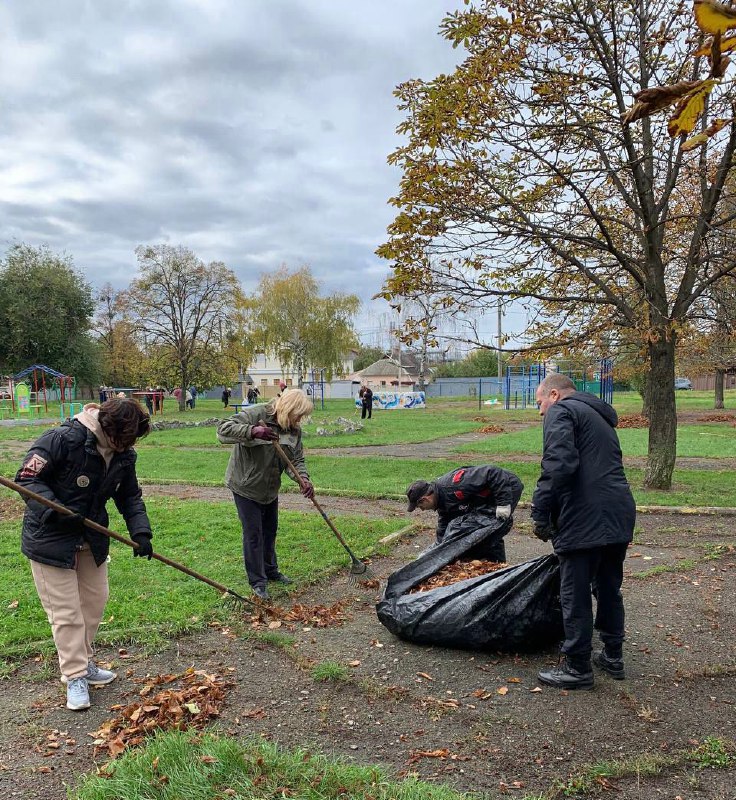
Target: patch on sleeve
point(458, 476)
point(33, 466)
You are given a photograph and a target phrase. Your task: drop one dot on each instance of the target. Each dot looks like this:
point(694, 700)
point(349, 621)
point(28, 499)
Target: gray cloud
point(255, 133)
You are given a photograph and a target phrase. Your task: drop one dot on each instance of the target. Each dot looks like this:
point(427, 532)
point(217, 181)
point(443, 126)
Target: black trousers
point(365, 409)
point(260, 522)
point(599, 569)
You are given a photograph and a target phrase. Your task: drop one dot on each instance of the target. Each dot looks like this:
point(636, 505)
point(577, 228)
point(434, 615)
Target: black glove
point(263, 432)
point(68, 523)
point(308, 490)
point(543, 531)
point(145, 548)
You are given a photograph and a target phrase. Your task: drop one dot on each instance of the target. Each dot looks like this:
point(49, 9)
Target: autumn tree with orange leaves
point(540, 170)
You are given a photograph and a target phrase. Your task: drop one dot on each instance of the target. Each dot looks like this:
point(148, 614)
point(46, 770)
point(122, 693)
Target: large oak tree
point(524, 178)
point(189, 316)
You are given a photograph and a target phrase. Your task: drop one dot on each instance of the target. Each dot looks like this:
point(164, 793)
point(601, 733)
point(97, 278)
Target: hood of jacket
point(89, 417)
point(600, 406)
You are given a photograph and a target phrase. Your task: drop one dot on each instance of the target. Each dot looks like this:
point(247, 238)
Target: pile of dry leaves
point(458, 571)
point(491, 429)
point(192, 701)
point(717, 418)
point(633, 421)
point(318, 616)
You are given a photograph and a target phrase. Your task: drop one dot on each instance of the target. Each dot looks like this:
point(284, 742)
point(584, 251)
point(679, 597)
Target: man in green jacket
point(254, 477)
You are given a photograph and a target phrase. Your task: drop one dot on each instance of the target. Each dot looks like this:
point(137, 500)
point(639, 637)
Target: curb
point(724, 511)
point(392, 537)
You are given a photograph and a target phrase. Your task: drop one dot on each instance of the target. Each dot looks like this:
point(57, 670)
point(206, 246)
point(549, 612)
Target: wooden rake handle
point(112, 535)
point(302, 484)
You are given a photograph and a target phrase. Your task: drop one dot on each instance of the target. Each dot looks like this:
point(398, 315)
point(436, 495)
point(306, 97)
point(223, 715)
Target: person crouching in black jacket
point(465, 489)
point(82, 464)
point(584, 504)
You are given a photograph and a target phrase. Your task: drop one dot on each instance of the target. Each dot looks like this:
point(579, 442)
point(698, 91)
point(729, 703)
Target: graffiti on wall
point(386, 401)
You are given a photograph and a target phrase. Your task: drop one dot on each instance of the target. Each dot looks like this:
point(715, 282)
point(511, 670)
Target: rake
point(359, 570)
point(229, 593)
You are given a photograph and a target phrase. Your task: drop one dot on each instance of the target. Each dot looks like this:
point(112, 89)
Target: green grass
point(329, 671)
point(379, 477)
point(150, 601)
point(712, 440)
point(202, 766)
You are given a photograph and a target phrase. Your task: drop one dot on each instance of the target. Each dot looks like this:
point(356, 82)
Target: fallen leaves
point(192, 703)
point(318, 616)
point(632, 421)
point(491, 429)
point(442, 753)
point(458, 571)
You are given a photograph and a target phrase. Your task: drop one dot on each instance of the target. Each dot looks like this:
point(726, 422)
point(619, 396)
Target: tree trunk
point(719, 389)
point(645, 399)
point(662, 413)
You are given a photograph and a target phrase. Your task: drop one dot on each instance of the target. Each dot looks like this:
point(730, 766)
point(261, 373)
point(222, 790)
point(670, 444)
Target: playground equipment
point(68, 410)
point(37, 390)
point(522, 382)
point(316, 387)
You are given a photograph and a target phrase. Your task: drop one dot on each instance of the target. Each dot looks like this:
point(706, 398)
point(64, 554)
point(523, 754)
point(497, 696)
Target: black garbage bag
point(513, 609)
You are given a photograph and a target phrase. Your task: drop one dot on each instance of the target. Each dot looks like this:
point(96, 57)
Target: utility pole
point(500, 365)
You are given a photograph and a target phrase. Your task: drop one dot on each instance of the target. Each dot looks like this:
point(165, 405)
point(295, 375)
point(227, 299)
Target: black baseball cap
point(415, 492)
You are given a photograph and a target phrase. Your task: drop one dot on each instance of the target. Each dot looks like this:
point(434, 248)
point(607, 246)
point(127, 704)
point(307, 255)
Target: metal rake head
point(360, 571)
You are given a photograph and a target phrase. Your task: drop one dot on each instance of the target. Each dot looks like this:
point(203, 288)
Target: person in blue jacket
point(583, 503)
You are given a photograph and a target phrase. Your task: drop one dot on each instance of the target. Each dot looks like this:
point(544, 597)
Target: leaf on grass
point(192, 708)
point(354, 663)
point(701, 138)
point(502, 690)
point(14, 604)
point(513, 680)
point(116, 746)
point(688, 110)
point(713, 17)
point(425, 676)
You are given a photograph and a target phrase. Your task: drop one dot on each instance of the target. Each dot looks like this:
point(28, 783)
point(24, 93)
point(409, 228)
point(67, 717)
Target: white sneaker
point(96, 676)
point(77, 694)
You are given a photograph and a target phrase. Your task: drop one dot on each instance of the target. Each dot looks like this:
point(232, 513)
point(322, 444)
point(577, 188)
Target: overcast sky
point(253, 131)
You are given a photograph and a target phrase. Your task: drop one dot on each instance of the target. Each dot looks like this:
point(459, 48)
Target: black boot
point(610, 664)
point(568, 675)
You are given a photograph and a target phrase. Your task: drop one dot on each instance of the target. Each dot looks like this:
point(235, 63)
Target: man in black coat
point(584, 504)
point(465, 489)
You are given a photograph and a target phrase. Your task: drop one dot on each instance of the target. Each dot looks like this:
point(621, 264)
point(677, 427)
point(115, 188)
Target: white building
point(265, 373)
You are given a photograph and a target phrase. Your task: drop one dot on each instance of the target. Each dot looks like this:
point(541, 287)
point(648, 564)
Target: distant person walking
point(193, 392)
point(366, 402)
point(188, 399)
point(583, 503)
point(226, 397)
